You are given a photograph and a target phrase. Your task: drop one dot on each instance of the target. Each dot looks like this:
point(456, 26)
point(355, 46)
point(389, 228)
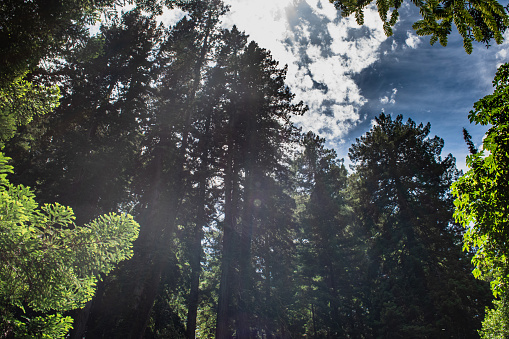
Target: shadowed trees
point(331, 251)
point(414, 254)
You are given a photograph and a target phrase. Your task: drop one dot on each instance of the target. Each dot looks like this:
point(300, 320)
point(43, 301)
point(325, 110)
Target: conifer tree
point(331, 252)
point(407, 207)
point(84, 153)
point(168, 170)
point(256, 111)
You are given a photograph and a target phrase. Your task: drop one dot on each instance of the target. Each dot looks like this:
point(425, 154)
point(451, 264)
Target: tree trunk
point(194, 293)
point(244, 314)
point(225, 284)
point(196, 252)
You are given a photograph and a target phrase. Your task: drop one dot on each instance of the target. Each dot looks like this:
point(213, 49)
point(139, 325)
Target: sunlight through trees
point(174, 147)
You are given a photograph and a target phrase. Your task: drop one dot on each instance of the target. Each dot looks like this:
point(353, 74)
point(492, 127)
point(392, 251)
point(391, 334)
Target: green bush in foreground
point(48, 265)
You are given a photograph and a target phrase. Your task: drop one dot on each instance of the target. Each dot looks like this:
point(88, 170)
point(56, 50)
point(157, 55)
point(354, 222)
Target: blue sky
point(348, 74)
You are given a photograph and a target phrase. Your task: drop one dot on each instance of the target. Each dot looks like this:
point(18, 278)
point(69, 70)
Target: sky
point(347, 74)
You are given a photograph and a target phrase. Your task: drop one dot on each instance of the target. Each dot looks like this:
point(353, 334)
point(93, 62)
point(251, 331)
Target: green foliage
point(496, 321)
point(165, 321)
point(330, 250)
point(190, 126)
point(49, 264)
point(44, 327)
point(482, 193)
point(475, 20)
point(20, 101)
point(482, 197)
point(31, 31)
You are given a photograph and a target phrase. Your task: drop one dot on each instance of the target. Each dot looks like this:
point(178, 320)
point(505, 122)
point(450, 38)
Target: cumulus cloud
point(264, 21)
point(389, 99)
point(323, 53)
point(502, 54)
point(412, 40)
point(503, 50)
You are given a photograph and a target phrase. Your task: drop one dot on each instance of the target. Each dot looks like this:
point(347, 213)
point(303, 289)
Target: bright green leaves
point(482, 194)
point(20, 101)
point(475, 20)
point(44, 327)
point(5, 169)
point(49, 264)
point(48, 261)
point(496, 321)
point(482, 200)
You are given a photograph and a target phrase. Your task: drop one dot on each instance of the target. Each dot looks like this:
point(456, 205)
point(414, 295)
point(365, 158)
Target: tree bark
point(244, 313)
point(225, 285)
point(196, 252)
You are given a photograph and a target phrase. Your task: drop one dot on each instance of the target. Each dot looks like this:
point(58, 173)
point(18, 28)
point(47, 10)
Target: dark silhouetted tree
point(421, 284)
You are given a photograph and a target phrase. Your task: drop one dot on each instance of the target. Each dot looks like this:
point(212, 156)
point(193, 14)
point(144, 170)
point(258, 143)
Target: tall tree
point(93, 136)
point(165, 174)
point(404, 187)
point(91, 141)
point(331, 254)
point(257, 106)
point(200, 124)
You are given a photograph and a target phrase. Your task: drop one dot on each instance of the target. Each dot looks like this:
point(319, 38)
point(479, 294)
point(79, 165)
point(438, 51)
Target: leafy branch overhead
point(48, 264)
point(475, 20)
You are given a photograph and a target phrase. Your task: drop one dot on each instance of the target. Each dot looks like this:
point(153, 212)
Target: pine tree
point(168, 170)
point(256, 111)
point(92, 140)
point(330, 251)
point(89, 142)
point(407, 206)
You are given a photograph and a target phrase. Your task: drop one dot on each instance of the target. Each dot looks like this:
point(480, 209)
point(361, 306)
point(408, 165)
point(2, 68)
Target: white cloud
point(264, 21)
point(503, 50)
point(389, 99)
point(171, 16)
point(320, 71)
point(502, 54)
point(394, 45)
point(412, 40)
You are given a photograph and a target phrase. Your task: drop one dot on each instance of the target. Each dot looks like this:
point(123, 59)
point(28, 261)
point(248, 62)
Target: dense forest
point(153, 185)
